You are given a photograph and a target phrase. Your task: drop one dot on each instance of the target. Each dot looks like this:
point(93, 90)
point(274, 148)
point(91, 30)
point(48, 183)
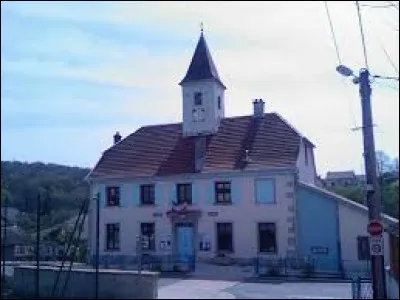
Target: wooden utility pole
point(373, 187)
point(38, 212)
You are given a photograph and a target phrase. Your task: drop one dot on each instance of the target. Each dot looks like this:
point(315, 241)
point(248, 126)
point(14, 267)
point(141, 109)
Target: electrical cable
point(362, 35)
point(390, 60)
point(333, 33)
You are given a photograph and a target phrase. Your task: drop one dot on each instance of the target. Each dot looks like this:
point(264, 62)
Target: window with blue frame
point(147, 194)
point(223, 192)
point(184, 193)
point(113, 196)
point(265, 191)
point(112, 236)
point(267, 238)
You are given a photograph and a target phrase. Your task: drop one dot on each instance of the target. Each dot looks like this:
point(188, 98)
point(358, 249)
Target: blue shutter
point(135, 194)
point(124, 194)
point(172, 194)
point(159, 193)
point(101, 193)
point(196, 193)
point(210, 191)
point(236, 191)
point(265, 191)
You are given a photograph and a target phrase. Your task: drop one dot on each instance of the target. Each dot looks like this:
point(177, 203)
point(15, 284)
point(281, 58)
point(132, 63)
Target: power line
point(338, 58)
point(379, 6)
point(393, 4)
point(333, 33)
point(362, 35)
point(390, 60)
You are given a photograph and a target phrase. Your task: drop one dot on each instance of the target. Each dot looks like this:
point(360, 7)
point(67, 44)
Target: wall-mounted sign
point(165, 243)
point(212, 214)
point(376, 245)
point(319, 250)
point(205, 242)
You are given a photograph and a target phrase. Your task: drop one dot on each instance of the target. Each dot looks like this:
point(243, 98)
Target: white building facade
point(213, 187)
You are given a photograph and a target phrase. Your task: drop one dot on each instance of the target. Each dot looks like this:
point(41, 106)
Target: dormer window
point(198, 98)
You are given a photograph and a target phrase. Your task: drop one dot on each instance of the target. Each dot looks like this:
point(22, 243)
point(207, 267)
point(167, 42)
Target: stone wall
point(113, 284)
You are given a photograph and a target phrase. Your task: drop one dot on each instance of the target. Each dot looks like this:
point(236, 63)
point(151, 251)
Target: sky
point(74, 73)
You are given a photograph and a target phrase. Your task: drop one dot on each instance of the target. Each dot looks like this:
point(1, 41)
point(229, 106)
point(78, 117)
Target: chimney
point(117, 137)
point(200, 148)
point(258, 108)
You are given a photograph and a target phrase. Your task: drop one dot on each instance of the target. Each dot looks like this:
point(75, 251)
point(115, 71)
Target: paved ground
point(219, 289)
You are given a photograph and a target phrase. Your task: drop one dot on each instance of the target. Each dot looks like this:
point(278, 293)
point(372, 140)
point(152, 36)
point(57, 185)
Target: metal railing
point(311, 266)
point(150, 262)
point(361, 288)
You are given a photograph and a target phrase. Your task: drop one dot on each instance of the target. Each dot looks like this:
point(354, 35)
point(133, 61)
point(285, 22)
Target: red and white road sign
point(375, 228)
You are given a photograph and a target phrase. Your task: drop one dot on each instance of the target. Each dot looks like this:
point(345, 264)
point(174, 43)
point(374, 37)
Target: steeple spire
point(202, 65)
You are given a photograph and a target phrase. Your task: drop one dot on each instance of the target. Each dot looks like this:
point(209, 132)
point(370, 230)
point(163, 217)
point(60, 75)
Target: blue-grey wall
point(317, 226)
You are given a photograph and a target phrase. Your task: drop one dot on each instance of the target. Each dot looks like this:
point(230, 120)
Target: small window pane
point(223, 192)
point(267, 237)
point(112, 236)
point(224, 237)
point(198, 98)
point(113, 196)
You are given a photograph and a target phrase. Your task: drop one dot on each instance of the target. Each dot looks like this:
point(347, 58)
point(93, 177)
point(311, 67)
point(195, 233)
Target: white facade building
point(212, 186)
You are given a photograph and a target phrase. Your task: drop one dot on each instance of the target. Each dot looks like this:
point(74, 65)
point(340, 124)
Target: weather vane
point(201, 27)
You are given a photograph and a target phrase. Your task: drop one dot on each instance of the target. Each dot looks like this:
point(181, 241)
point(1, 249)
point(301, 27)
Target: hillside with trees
point(62, 190)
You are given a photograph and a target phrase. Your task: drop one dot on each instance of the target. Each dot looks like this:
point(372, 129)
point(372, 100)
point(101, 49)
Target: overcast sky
point(73, 73)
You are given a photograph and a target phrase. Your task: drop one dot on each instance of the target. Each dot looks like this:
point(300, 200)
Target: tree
point(62, 191)
point(383, 162)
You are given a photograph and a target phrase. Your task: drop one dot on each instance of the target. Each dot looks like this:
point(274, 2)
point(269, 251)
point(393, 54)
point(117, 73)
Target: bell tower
point(202, 94)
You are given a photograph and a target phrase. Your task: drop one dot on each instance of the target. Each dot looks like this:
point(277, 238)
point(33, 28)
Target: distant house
point(67, 226)
point(51, 245)
point(343, 179)
point(12, 215)
point(16, 244)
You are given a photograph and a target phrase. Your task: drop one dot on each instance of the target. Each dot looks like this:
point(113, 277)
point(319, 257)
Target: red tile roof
point(162, 150)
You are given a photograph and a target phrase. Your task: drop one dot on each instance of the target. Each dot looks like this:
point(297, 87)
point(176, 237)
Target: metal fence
point(362, 288)
point(161, 263)
point(311, 266)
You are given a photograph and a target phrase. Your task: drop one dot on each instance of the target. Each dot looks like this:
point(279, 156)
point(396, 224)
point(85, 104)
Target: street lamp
point(345, 71)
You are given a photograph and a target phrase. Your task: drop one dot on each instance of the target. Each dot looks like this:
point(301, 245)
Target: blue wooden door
point(185, 242)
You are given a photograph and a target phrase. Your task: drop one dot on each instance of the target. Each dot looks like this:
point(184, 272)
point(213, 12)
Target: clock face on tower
point(198, 114)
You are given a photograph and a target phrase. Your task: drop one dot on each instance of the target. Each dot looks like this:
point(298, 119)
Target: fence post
point(355, 287)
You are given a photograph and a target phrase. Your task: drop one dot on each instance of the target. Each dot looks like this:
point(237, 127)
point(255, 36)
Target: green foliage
point(62, 190)
point(389, 183)
point(355, 193)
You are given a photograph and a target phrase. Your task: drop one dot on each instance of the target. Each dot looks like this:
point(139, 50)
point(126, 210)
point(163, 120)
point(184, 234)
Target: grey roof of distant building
point(361, 177)
point(340, 175)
